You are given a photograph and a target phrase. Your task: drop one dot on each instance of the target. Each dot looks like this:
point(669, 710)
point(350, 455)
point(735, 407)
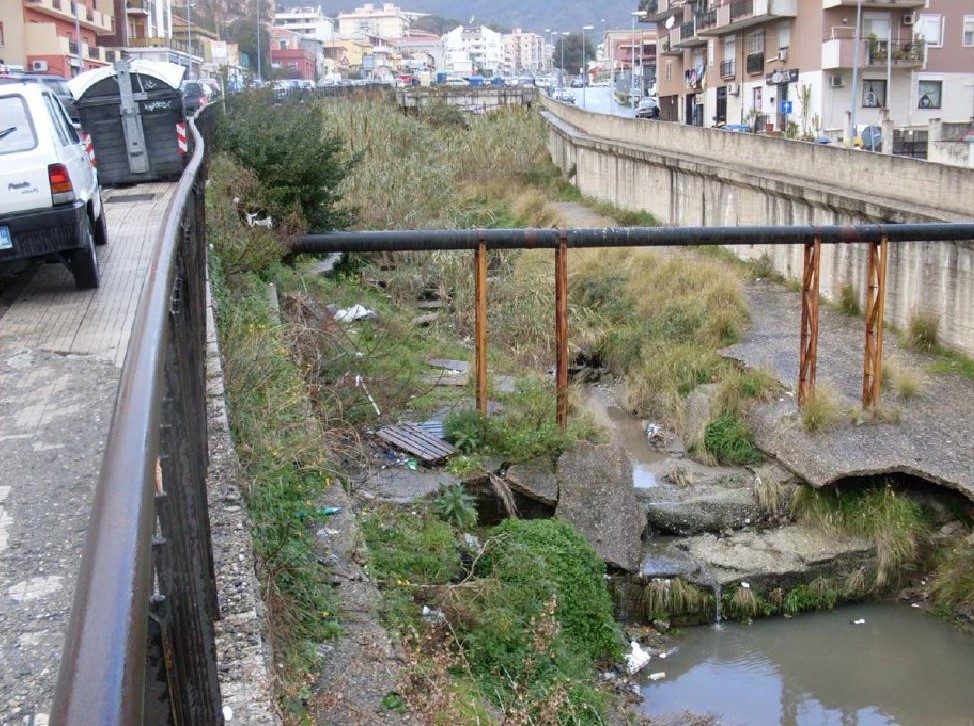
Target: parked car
point(578, 83)
point(196, 94)
point(57, 84)
point(563, 95)
point(648, 107)
point(50, 208)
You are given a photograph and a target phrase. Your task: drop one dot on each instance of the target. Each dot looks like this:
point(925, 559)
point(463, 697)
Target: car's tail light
point(61, 190)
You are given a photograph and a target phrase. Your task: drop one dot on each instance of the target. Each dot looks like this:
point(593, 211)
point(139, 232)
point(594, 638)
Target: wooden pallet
point(414, 440)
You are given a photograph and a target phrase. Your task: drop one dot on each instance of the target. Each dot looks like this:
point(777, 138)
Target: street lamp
point(547, 40)
point(189, 35)
point(632, 47)
point(257, 6)
point(585, 29)
point(856, 47)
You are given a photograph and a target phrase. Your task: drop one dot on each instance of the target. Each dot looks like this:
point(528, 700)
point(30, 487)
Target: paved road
point(599, 99)
point(61, 353)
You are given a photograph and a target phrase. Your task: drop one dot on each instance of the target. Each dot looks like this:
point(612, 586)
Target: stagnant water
point(630, 433)
point(899, 667)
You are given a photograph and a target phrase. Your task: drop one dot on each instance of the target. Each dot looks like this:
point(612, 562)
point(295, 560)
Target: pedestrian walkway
point(61, 354)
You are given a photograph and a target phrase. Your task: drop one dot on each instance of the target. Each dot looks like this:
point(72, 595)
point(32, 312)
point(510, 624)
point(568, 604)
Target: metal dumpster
point(132, 120)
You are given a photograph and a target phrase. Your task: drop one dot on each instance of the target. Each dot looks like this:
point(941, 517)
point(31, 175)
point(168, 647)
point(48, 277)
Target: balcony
point(62, 9)
point(137, 7)
point(666, 47)
point(742, 14)
point(688, 36)
point(839, 51)
point(659, 9)
point(706, 20)
point(728, 69)
point(876, 4)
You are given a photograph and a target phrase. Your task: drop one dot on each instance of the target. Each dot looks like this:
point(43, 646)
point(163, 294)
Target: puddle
point(899, 667)
point(630, 433)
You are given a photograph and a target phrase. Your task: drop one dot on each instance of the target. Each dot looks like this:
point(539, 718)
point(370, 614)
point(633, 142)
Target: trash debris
point(356, 312)
point(329, 511)
point(859, 621)
point(653, 430)
point(411, 463)
point(433, 428)
point(227, 713)
point(637, 658)
point(915, 605)
point(472, 541)
point(411, 438)
point(360, 383)
point(433, 615)
point(746, 585)
point(254, 220)
point(657, 676)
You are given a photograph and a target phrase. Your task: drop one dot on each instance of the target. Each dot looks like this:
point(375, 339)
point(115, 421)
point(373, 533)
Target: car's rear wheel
point(83, 261)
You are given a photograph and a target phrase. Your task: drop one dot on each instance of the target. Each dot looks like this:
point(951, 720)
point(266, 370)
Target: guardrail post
point(480, 292)
point(561, 329)
point(808, 351)
point(872, 364)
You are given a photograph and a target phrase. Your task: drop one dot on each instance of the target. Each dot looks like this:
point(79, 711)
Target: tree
point(573, 52)
point(243, 32)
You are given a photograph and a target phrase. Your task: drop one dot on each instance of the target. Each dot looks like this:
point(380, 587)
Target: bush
point(729, 439)
point(466, 430)
point(921, 332)
point(457, 507)
point(298, 164)
point(404, 549)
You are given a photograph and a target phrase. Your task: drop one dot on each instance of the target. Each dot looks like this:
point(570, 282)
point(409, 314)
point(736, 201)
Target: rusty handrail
point(102, 674)
point(547, 238)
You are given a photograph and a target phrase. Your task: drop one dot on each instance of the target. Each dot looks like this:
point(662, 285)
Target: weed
point(905, 381)
point(741, 386)
point(763, 266)
point(921, 332)
point(675, 598)
point(464, 466)
point(848, 301)
point(854, 584)
point(821, 411)
point(894, 522)
point(950, 361)
point(819, 594)
point(465, 429)
point(456, 506)
point(744, 603)
point(769, 495)
point(729, 439)
point(622, 217)
point(953, 579)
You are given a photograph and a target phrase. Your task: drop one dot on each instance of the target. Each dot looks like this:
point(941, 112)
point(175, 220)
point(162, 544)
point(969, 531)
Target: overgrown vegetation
point(905, 381)
point(921, 331)
point(894, 522)
point(952, 587)
point(729, 440)
point(525, 623)
point(676, 598)
point(848, 301)
point(821, 411)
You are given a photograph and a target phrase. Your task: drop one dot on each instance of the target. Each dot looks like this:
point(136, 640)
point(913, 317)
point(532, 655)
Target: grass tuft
point(922, 330)
point(770, 496)
point(953, 581)
point(729, 440)
point(905, 381)
point(849, 300)
point(744, 603)
point(821, 411)
point(675, 598)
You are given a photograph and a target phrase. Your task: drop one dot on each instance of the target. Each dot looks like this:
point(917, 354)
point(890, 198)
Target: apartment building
point(525, 52)
point(787, 65)
point(387, 21)
point(474, 48)
point(40, 35)
point(290, 53)
point(307, 21)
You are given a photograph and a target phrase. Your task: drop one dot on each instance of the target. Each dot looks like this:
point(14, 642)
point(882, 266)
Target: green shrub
point(819, 594)
point(922, 330)
point(466, 429)
point(849, 299)
point(457, 507)
point(299, 165)
point(404, 548)
point(729, 439)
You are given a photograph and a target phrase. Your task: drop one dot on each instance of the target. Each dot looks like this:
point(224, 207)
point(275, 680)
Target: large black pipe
point(467, 239)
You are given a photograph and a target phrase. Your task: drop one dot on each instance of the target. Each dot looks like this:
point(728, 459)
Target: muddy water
point(628, 432)
point(899, 667)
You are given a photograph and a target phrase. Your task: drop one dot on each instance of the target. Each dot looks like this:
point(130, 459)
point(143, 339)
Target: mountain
point(533, 15)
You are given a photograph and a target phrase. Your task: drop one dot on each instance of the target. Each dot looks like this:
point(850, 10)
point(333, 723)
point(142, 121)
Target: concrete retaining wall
point(692, 176)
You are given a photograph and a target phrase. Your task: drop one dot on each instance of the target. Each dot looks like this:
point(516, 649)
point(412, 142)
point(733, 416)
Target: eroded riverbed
point(899, 667)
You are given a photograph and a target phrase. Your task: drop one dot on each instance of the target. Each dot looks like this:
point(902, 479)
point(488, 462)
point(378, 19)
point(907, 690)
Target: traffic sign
point(786, 107)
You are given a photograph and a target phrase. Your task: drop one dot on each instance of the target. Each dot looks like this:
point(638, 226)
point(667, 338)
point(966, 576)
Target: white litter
point(859, 621)
point(356, 312)
point(432, 615)
point(254, 221)
point(227, 713)
point(637, 658)
point(746, 585)
point(914, 605)
point(657, 676)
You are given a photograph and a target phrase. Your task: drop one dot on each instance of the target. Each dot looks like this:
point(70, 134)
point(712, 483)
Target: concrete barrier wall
point(646, 165)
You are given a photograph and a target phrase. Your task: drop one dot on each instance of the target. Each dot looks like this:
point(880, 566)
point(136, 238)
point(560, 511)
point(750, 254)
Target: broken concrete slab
point(402, 486)
point(595, 494)
point(701, 508)
point(535, 479)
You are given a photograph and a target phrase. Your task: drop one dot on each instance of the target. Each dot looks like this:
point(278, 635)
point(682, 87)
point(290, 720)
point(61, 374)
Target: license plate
point(5, 241)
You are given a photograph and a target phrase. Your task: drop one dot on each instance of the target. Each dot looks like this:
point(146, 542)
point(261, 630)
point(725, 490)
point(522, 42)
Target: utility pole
point(585, 29)
point(857, 49)
point(632, 59)
point(189, 34)
point(564, 35)
point(257, 4)
point(77, 37)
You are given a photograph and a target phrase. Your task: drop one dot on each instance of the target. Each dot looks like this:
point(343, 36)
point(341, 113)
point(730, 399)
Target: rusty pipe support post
point(561, 328)
point(480, 291)
point(872, 364)
point(808, 352)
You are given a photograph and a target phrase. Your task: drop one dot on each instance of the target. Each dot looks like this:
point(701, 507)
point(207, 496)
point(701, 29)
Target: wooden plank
point(416, 441)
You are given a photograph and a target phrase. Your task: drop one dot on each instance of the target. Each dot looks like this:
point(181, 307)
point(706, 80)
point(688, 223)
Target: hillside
point(534, 15)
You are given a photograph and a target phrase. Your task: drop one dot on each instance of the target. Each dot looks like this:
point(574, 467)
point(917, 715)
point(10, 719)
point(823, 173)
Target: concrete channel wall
point(689, 176)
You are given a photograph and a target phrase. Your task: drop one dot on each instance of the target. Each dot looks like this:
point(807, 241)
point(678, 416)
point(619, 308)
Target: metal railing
point(741, 8)
point(878, 237)
point(728, 69)
point(139, 647)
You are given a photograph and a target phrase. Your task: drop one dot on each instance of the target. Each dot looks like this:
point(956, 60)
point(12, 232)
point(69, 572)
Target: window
point(967, 35)
point(931, 27)
point(59, 128)
point(873, 93)
point(730, 47)
point(282, 44)
point(931, 93)
point(755, 42)
point(784, 35)
point(16, 129)
point(668, 71)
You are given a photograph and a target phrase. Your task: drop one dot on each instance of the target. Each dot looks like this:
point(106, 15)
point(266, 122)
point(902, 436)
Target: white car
point(50, 200)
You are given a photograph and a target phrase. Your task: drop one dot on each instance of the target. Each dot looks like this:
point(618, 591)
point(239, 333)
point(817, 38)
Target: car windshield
point(16, 130)
point(57, 85)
